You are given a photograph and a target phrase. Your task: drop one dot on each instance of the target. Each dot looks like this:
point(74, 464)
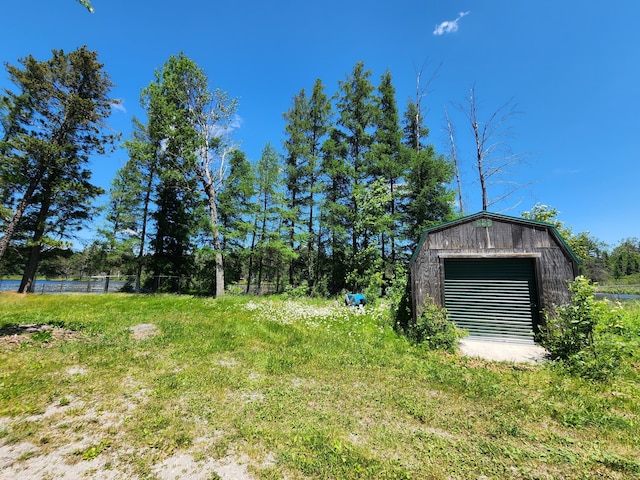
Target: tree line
point(340, 207)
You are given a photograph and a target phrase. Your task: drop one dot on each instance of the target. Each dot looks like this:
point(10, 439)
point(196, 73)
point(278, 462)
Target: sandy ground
point(503, 351)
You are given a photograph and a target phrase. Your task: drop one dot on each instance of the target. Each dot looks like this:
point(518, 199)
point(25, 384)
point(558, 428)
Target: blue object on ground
point(355, 299)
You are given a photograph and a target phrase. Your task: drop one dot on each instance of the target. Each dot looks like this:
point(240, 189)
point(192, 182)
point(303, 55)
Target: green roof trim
point(494, 216)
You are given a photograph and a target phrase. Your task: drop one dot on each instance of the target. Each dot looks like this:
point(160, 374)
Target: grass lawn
point(168, 387)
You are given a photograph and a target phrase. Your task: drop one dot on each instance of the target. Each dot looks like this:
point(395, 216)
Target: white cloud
point(449, 26)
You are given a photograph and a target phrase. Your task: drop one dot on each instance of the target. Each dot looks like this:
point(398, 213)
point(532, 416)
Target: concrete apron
point(502, 351)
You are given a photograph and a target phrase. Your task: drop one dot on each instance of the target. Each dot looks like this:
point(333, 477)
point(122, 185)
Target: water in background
point(92, 285)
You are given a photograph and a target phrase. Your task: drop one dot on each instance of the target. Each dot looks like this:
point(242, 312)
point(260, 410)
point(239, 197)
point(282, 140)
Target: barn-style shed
point(493, 273)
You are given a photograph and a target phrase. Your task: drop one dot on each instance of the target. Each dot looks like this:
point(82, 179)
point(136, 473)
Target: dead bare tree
point(454, 158)
point(422, 90)
point(494, 158)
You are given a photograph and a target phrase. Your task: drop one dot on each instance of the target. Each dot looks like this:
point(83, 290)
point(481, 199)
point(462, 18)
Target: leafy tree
point(624, 259)
point(588, 249)
point(52, 125)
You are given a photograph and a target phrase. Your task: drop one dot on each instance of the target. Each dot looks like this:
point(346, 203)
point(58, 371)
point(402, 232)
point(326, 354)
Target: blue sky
point(572, 69)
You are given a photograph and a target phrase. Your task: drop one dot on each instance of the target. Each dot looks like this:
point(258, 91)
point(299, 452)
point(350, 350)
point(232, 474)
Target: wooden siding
point(506, 237)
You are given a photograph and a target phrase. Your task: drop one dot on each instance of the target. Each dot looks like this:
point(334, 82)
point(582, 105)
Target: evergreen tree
point(306, 129)
point(296, 171)
point(139, 179)
point(320, 114)
point(119, 239)
point(387, 166)
point(269, 248)
point(334, 234)
point(357, 116)
point(236, 211)
point(51, 126)
point(174, 141)
point(427, 198)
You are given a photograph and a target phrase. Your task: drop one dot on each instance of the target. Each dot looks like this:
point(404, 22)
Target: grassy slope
point(305, 389)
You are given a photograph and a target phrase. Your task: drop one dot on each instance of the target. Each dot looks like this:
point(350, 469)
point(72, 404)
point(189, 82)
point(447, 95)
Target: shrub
point(301, 291)
point(569, 329)
point(435, 330)
point(582, 334)
point(399, 294)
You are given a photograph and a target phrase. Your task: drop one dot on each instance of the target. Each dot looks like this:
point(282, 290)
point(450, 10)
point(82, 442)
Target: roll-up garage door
point(493, 298)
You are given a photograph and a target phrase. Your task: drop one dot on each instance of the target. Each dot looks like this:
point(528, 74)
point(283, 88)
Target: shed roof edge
point(497, 216)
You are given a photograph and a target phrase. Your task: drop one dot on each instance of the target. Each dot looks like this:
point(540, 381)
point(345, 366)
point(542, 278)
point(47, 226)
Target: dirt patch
point(44, 335)
point(183, 466)
point(27, 461)
point(143, 331)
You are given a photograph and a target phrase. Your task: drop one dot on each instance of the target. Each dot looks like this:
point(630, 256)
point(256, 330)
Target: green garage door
point(492, 298)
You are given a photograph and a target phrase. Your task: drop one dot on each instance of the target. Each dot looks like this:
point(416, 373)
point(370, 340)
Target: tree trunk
point(215, 231)
point(251, 252)
point(310, 279)
point(106, 281)
point(292, 240)
point(13, 223)
point(26, 285)
point(28, 278)
point(261, 241)
point(143, 233)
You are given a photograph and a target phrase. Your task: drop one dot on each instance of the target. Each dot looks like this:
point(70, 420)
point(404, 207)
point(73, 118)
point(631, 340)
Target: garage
point(495, 274)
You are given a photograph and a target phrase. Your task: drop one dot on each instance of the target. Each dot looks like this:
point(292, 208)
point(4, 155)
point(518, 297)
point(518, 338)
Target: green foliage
point(624, 259)
point(435, 330)
point(53, 122)
point(588, 249)
point(429, 200)
point(399, 295)
point(86, 4)
point(569, 329)
point(583, 334)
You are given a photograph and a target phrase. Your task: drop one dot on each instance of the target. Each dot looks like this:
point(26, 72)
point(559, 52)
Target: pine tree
point(357, 116)
point(174, 141)
point(139, 178)
point(388, 166)
point(237, 208)
point(52, 125)
point(296, 171)
point(427, 198)
point(306, 129)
